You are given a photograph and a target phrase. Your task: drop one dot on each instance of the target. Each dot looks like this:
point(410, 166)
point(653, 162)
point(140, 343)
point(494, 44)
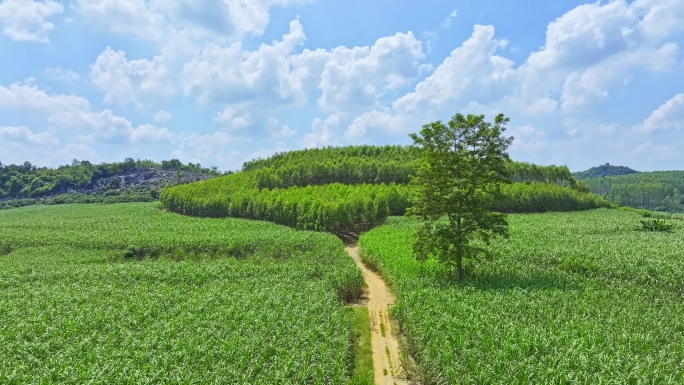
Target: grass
point(363, 355)
point(218, 301)
point(571, 298)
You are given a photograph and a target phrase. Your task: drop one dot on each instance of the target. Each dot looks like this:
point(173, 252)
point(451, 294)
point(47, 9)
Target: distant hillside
point(603, 171)
point(656, 190)
point(84, 182)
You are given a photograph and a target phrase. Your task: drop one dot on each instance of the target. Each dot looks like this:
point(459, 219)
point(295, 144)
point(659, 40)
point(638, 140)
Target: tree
point(461, 167)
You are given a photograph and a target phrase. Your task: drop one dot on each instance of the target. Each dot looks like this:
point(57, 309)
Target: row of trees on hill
point(29, 181)
point(372, 165)
point(341, 208)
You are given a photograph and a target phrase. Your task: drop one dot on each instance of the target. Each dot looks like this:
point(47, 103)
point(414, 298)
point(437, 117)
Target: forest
point(351, 189)
point(85, 182)
point(655, 191)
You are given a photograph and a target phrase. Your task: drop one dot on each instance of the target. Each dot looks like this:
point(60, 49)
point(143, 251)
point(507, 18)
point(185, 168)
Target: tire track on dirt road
point(385, 346)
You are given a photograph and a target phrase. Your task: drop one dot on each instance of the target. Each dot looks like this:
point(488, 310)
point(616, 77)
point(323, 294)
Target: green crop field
point(127, 293)
point(570, 298)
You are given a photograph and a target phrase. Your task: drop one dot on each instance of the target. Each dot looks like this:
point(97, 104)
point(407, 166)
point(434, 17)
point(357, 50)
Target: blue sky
point(223, 81)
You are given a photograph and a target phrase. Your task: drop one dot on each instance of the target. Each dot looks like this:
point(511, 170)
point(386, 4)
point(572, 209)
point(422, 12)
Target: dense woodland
point(657, 190)
point(84, 182)
point(372, 165)
point(351, 189)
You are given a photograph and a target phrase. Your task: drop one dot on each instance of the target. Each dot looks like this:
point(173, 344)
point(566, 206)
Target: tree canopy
point(462, 166)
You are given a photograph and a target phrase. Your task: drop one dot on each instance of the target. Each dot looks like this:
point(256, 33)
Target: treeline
point(337, 208)
point(656, 191)
point(347, 165)
point(370, 165)
point(543, 197)
point(343, 208)
point(28, 181)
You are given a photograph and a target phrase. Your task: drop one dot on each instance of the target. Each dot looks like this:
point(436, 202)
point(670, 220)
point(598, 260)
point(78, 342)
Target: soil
point(385, 346)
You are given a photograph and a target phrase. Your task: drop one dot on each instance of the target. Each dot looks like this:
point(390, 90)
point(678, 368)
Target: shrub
point(656, 225)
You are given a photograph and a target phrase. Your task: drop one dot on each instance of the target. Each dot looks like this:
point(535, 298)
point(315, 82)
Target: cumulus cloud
point(357, 77)
point(27, 20)
point(134, 18)
point(323, 132)
point(70, 113)
point(231, 75)
point(23, 134)
point(162, 116)
point(667, 117)
point(219, 20)
point(130, 81)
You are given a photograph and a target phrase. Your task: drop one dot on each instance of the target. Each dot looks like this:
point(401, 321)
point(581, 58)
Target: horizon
point(223, 82)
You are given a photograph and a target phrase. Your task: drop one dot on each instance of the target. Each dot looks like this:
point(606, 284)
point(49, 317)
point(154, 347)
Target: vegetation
point(657, 190)
point(656, 225)
point(603, 171)
point(569, 298)
point(363, 354)
point(462, 165)
point(203, 301)
point(350, 189)
point(84, 182)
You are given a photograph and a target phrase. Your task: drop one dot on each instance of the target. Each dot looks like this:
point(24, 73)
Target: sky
point(220, 82)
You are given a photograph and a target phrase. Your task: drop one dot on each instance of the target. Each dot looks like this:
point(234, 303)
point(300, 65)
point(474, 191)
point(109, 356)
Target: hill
point(84, 182)
point(603, 171)
point(351, 189)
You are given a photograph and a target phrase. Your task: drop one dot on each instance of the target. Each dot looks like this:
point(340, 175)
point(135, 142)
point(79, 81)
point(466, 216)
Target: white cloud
point(216, 20)
point(263, 153)
point(446, 23)
point(661, 19)
point(584, 36)
point(209, 149)
point(131, 81)
point(232, 75)
point(356, 77)
point(106, 126)
point(323, 132)
point(374, 120)
point(162, 116)
point(583, 88)
point(27, 20)
point(72, 114)
point(668, 117)
point(28, 97)
point(23, 134)
point(652, 151)
point(133, 18)
point(61, 74)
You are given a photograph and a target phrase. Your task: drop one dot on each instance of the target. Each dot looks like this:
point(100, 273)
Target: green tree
point(462, 165)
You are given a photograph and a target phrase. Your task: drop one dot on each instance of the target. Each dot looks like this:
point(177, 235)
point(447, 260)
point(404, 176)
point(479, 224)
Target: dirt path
point(385, 345)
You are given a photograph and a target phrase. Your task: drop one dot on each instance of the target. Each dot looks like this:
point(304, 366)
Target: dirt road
point(386, 362)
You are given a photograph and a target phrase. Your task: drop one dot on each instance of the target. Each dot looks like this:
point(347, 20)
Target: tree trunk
point(459, 268)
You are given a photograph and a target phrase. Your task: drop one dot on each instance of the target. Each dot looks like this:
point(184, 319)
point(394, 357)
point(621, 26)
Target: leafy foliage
point(656, 190)
point(656, 225)
point(570, 298)
point(224, 300)
point(603, 171)
point(350, 189)
point(463, 164)
point(28, 184)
